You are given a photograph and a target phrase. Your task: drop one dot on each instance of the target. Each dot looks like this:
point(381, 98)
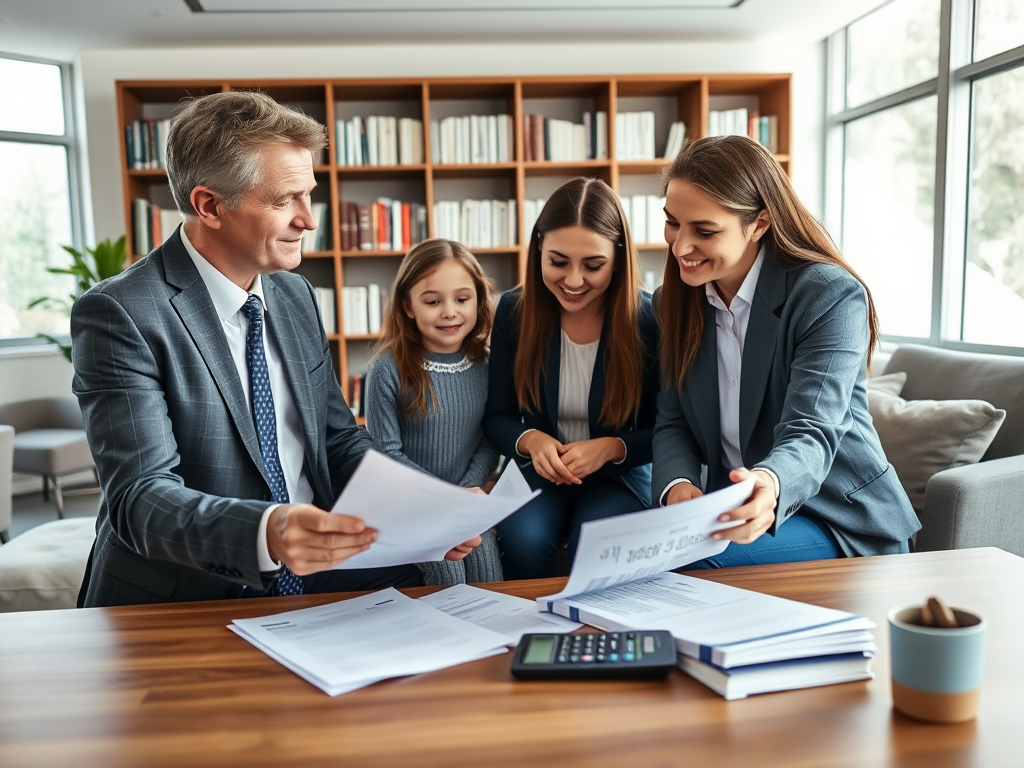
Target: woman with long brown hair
point(766, 338)
point(574, 377)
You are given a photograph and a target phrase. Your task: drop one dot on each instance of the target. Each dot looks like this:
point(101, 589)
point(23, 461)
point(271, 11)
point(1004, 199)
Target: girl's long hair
point(589, 203)
point(741, 176)
point(401, 337)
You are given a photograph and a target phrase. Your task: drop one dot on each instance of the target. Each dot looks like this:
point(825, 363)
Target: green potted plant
point(105, 260)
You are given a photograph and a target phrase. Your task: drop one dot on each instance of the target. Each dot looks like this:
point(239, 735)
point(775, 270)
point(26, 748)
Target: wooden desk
point(169, 685)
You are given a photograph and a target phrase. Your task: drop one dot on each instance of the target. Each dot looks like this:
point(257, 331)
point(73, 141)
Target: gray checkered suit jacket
point(803, 411)
point(172, 435)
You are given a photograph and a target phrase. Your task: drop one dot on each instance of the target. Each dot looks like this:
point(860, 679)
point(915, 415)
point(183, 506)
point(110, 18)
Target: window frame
point(953, 87)
point(68, 140)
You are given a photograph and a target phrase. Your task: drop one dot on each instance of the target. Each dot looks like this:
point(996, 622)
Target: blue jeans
point(529, 538)
point(801, 537)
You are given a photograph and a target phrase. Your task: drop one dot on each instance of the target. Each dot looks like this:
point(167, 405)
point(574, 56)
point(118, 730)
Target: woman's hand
point(463, 549)
point(546, 452)
point(758, 512)
point(585, 457)
point(682, 492)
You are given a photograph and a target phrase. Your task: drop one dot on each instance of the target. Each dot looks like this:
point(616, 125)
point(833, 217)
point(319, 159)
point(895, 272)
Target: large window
point(38, 200)
point(926, 167)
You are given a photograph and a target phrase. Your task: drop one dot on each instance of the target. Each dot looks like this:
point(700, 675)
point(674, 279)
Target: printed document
point(621, 549)
point(346, 645)
point(418, 517)
point(506, 614)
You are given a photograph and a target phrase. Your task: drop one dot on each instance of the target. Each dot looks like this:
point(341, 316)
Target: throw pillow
point(890, 383)
point(923, 437)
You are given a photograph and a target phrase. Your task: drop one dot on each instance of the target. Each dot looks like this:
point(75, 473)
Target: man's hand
point(545, 452)
point(309, 540)
point(460, 552)
point(758, 512)
point(682, 492)
point(585, 457)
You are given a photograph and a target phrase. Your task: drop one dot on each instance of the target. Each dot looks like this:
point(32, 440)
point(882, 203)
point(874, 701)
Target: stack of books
point(151, 225)
point(316, 239)
point(557, 140)
point(385, 225)
point(325, 304)
point(472, 139)
point(379, 140)
point(732, 640)
point(363, 307)
point(646, 217)
point(763, 129)
point(477, 223)
point(145, 144)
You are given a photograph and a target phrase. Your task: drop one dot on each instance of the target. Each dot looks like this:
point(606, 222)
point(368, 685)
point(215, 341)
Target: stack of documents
point(734, 641)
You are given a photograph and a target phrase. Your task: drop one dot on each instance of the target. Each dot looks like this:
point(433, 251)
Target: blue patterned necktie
point(287, 583)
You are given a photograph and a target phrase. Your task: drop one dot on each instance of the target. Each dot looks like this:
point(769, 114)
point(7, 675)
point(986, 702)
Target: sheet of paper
point(346, 645)
point(701, 613)
point(506, 614)
point(418, 517)
point(620, 549)
point(511, 484)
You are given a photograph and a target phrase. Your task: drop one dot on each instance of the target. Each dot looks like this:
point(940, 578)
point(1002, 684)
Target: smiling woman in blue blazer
point(767, 337)
point(574, 377)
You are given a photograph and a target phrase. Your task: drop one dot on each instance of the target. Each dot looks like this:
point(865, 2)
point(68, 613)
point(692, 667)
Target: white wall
point(100, 69)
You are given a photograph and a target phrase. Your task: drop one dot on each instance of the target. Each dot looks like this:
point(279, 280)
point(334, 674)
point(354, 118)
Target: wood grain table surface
point(169, 685)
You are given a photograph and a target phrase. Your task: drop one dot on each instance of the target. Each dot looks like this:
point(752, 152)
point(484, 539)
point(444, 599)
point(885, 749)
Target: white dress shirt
point(228, 300)
point(731, 323)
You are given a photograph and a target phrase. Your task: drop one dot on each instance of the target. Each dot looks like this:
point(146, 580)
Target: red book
point(406, 227)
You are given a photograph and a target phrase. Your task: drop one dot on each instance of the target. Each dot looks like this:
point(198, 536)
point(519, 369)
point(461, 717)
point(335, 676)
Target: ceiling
point(58, 29)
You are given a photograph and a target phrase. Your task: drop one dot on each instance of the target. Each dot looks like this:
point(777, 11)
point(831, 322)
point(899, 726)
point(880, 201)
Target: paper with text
point(620, 549)
point(346, 645)
point(418, 517)
point(509, 615)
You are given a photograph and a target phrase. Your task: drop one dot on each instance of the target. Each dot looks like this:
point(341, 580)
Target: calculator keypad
point(600, 647)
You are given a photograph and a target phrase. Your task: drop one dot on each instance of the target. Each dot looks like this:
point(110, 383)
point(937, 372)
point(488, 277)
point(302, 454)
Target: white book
point(602, 136)
point(513, 226)
point(638, 218)
point(492, 139)
point(325, 304)
point(140, 225)
point(360, 316)
point(788, 675)
point(620, 136)
point(485, 217)
point(170, 218)
point(510, 138)
point(373, 140)
point(580, 139)
point(476, 136)
point(645, 121)
point(655, 218)
point(347, 317)
point(373, 308)
point(417, 142)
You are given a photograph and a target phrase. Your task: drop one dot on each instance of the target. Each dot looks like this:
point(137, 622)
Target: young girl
point(427, 384)
point(767, 337)
point(574, 377)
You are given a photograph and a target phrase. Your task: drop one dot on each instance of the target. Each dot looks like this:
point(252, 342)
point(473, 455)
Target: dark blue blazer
point(803, 410)
point(504, 423)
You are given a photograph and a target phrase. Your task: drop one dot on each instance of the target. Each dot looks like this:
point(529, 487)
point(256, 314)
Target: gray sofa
point(978, 505)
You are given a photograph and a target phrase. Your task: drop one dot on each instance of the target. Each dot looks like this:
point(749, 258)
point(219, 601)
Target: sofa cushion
point(923, 437)
point(889, 383)
point(44, 566)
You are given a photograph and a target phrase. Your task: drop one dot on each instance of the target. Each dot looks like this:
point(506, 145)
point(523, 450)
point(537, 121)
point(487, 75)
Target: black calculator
point(595, 655)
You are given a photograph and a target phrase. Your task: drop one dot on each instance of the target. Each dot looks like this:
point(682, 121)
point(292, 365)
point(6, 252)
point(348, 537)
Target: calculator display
point(540, 650)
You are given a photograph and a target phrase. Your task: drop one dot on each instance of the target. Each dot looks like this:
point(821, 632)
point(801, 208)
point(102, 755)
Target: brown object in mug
point(935, 613)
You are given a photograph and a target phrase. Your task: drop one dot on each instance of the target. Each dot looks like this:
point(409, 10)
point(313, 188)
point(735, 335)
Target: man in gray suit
point(207, 388)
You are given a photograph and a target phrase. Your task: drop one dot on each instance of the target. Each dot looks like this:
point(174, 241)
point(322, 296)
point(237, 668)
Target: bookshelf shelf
point(689, 98)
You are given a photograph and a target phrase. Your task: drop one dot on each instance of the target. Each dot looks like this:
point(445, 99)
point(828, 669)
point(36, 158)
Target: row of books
point(477, 223)
point(379, 140)
point(145, 144)
point(646, 217)
point(472, 139)
point(742, 122)
point(531, 210)
point(316, 239)
point(362, 309)
point(547, 138)
point(386, 225)
point(151, 225)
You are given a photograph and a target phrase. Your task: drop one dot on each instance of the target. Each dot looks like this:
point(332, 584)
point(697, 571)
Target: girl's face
point(444, 306)
point(708, 241)
point(576, 266)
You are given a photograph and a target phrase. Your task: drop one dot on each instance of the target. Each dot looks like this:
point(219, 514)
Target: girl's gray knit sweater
point(447, 442)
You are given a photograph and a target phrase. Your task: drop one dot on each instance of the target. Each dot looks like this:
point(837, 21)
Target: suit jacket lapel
point(288, 338)
point(759, 347)
point(200, 318)
point(701, 384)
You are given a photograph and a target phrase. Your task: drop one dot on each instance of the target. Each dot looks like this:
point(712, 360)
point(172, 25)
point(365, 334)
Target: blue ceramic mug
point(936, 671)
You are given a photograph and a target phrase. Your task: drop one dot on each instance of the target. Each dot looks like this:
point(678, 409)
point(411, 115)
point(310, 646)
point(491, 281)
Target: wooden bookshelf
point(686, 97)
